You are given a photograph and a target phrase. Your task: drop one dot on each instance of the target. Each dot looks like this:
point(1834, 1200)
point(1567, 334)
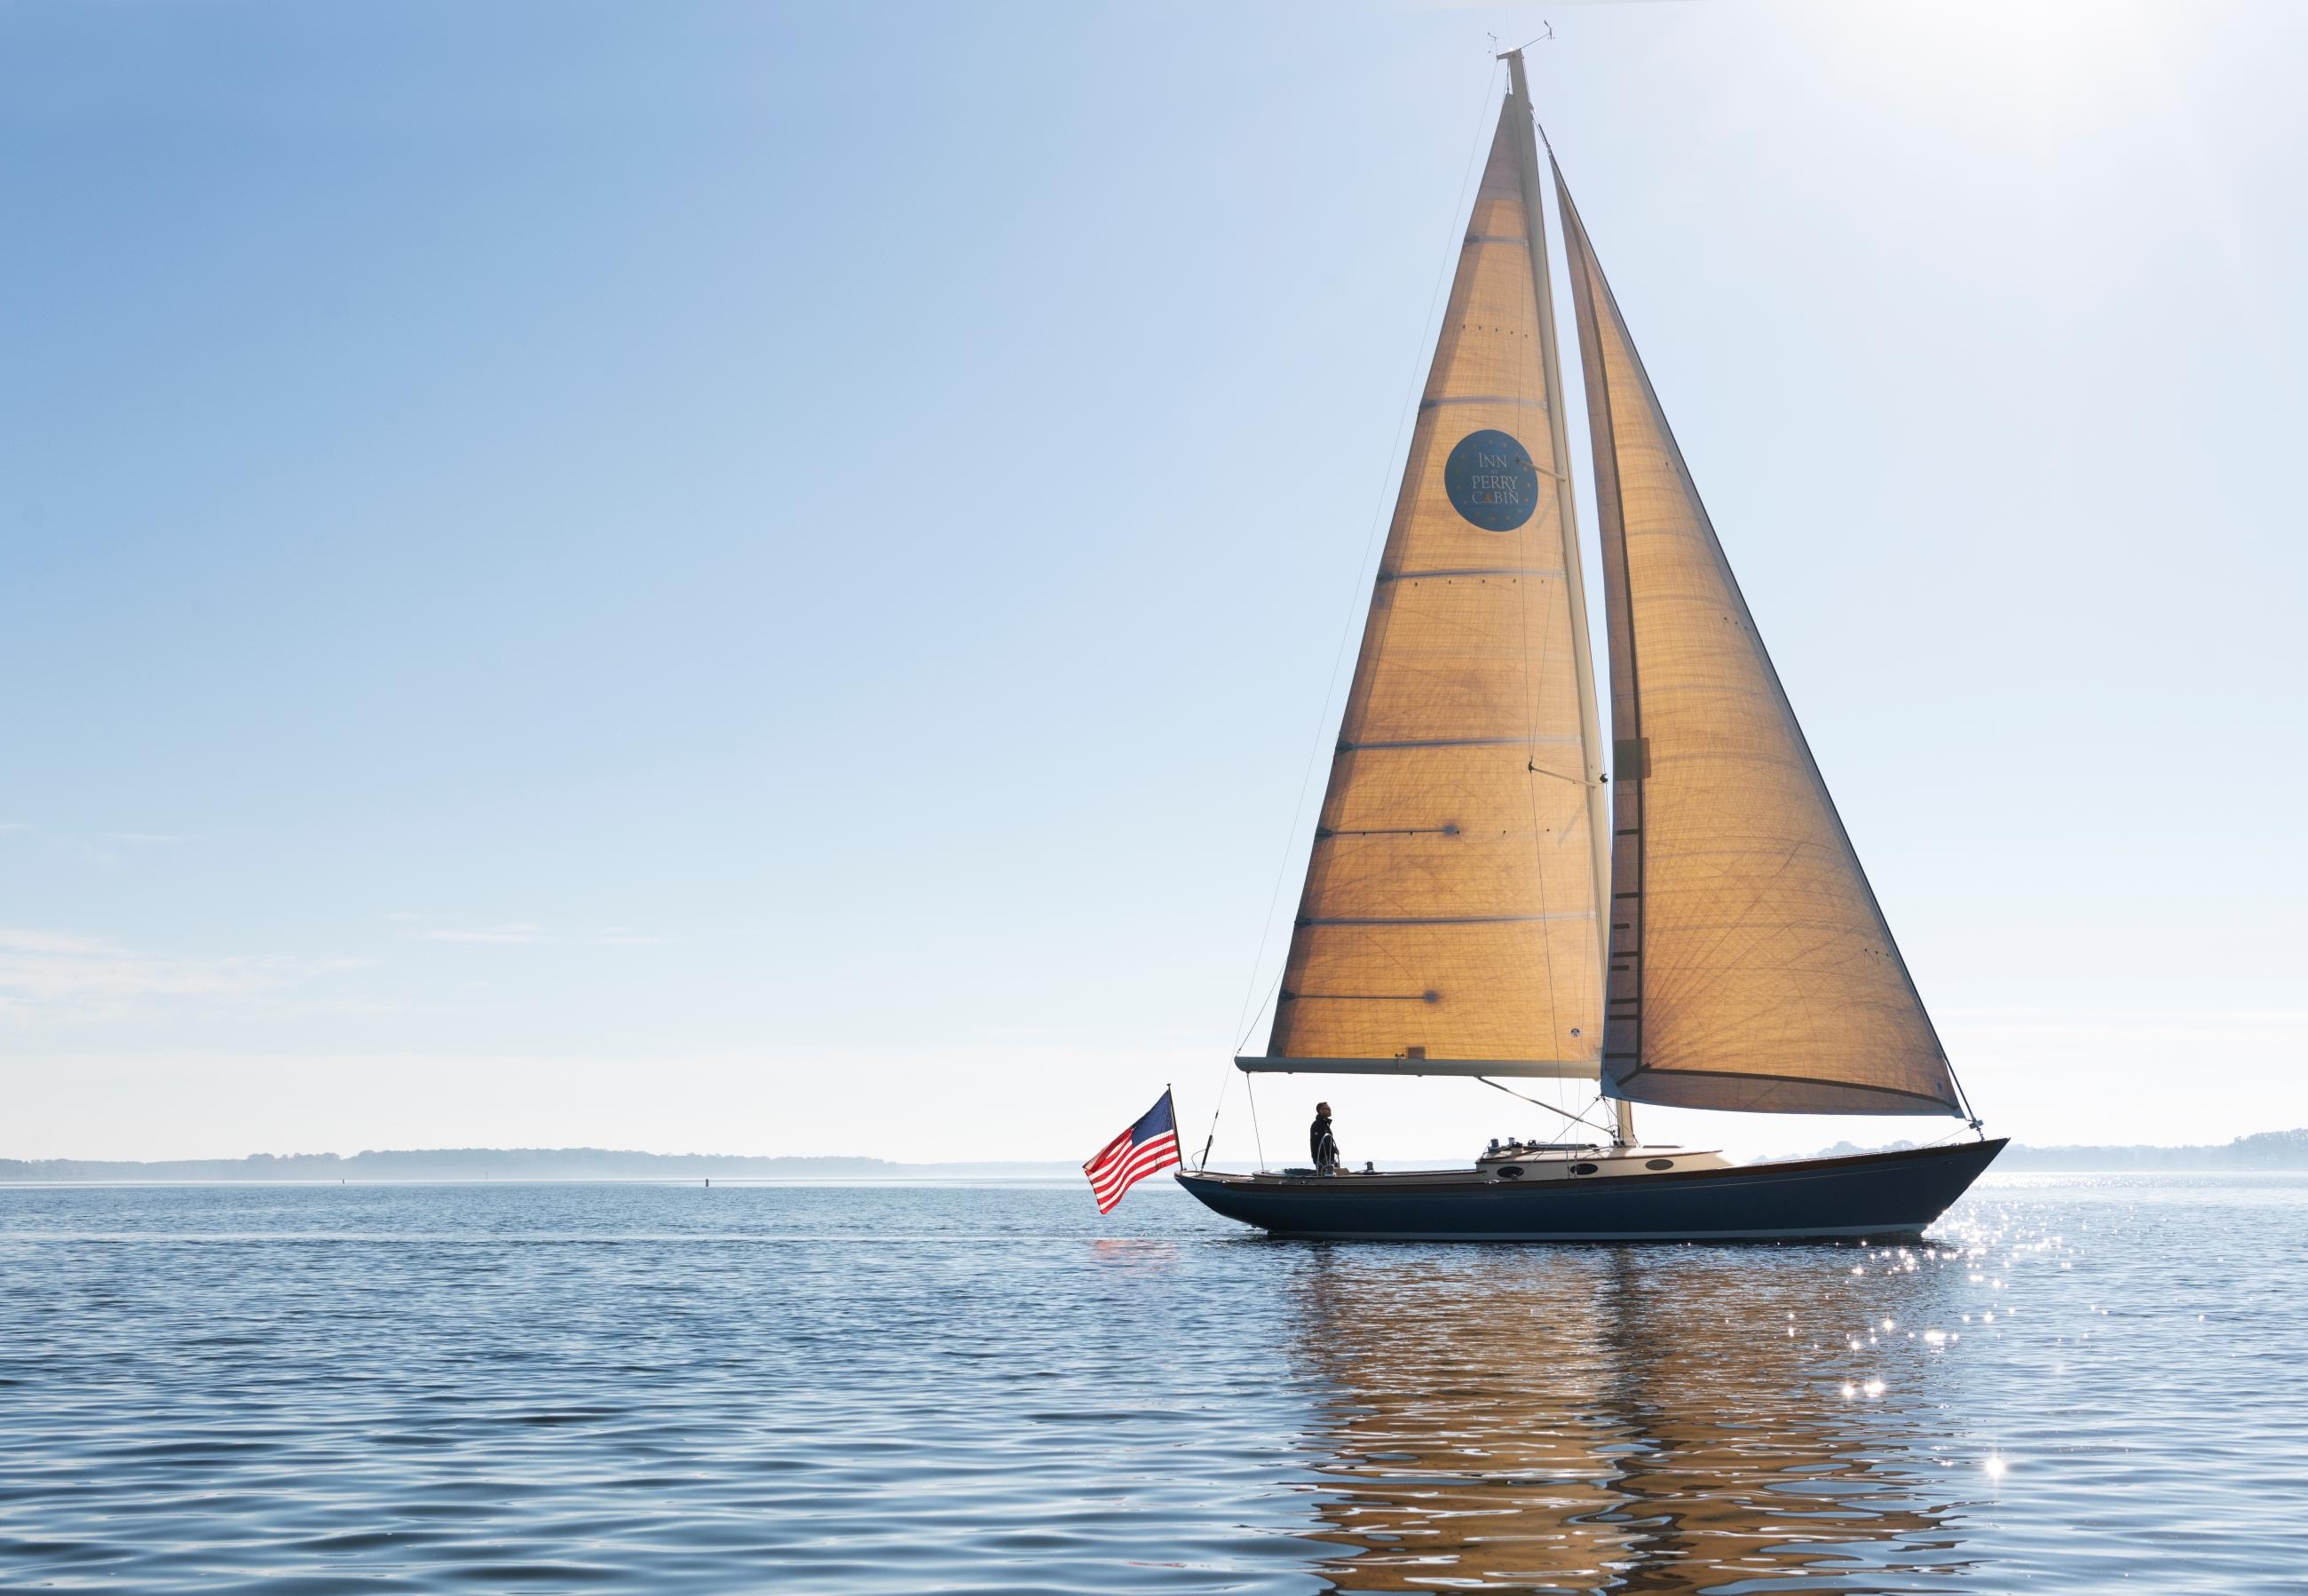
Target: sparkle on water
point(990, 1388)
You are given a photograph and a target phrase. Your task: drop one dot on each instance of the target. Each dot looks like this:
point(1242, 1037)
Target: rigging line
point(1550, 1108)
point(1970, 1114)
point(1378, 516)
point(1210, 1140)
point(1257, 1139)
point(1531, 709)
point(1240, 1043)
point(1243, 1040)
point(1549, 145)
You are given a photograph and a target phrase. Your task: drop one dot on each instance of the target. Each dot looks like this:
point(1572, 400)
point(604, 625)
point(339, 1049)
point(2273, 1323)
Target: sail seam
point(1391, 830)
point(1471, 571)
point(1462, 919)
point(1463, 742)
point(1362, 997)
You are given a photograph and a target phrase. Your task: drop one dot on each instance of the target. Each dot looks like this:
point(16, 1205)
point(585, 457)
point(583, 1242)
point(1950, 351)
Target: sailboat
point(1689, 927)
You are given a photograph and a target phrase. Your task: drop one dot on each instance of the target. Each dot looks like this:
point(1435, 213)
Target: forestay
point(1751, 967)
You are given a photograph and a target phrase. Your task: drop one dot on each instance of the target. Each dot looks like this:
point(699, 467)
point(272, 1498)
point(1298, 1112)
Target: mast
point(1590, 733)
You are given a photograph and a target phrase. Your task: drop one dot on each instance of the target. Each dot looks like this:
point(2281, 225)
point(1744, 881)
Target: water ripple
point(2083, 1382)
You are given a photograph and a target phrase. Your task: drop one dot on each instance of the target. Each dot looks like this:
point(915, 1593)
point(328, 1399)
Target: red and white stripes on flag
point(1150, 1144)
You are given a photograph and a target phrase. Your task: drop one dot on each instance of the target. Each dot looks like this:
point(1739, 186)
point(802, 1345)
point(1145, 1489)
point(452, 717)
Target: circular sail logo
point(1491, 480)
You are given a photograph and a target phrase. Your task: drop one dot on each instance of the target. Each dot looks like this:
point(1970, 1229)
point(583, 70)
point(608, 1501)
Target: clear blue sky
point(763, 579)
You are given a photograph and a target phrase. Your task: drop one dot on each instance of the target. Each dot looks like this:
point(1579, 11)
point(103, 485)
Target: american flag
point(1150, 1144)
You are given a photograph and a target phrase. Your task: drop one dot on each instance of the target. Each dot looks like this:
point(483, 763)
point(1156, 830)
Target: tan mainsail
point(1751, 967)
point(1449, 907)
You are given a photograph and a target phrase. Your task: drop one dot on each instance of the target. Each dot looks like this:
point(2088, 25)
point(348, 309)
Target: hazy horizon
point(1055, 1161)
point(587, 577)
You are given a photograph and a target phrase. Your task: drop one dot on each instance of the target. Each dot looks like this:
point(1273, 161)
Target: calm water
point(2089, 1381)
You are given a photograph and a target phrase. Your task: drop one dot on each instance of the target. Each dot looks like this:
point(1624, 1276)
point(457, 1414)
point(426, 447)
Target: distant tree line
point(2268, 1149)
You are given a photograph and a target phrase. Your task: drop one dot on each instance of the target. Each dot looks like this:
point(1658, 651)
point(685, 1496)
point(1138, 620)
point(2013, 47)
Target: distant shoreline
point(2275, 1150)
point(482, 1164)
point(2268, 1151)
point(732, 1181)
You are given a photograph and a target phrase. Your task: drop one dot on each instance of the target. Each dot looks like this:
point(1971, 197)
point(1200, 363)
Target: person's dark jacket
point(1320, 1143)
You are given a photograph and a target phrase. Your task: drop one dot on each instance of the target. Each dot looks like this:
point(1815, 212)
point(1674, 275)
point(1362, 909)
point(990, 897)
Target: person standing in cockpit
point(1321, 1143)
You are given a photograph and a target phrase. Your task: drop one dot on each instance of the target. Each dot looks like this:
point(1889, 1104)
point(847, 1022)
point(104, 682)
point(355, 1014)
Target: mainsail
point(1449, 923)
point(1749, 965)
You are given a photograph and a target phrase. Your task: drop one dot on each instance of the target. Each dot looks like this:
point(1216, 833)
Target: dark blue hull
point(1874, 1197)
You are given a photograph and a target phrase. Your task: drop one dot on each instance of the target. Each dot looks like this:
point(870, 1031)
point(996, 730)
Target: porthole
point(1510, 1171)
point(1583, 1168)
point(1660, 1163)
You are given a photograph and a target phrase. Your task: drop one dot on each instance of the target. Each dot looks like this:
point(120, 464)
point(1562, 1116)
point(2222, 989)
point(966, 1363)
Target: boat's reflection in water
point(1615, 1418)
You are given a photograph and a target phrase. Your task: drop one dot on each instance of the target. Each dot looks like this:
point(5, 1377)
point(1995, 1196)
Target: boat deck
point(1536, 1166)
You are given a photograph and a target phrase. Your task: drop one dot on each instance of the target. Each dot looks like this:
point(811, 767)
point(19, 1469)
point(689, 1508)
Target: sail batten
point(1750, 966)
point(1450, 920)
point(1536, 404)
